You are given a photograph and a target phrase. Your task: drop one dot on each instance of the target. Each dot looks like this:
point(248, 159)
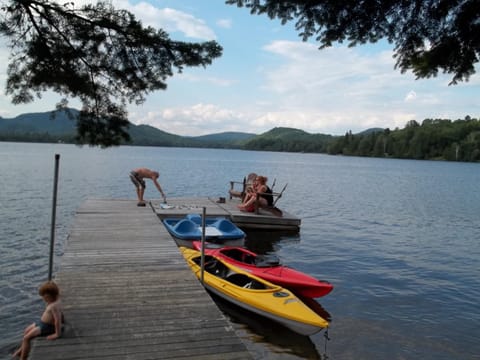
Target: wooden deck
point(129, 294)
point(179, 207)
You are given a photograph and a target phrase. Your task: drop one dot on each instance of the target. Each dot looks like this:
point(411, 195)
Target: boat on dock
point(217, 230)
point(254, 294)
point(268, 267)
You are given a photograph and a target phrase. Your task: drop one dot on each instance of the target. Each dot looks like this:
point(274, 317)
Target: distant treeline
point(434, 139)
point(289, 140)
point(37, 137)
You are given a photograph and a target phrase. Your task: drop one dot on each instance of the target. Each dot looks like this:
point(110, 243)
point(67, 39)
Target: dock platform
point(128, 293)
point(179, 207)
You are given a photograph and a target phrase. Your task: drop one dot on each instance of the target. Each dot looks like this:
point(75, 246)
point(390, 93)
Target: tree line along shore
point(432, 139)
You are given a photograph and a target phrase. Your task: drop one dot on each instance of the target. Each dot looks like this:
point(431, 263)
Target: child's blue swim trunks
point(45, 329)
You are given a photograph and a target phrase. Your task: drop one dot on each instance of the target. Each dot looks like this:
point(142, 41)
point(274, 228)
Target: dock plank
point(266, 220)
point(129, 294)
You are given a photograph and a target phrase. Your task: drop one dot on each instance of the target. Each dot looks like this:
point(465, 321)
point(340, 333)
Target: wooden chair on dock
point(247, 181)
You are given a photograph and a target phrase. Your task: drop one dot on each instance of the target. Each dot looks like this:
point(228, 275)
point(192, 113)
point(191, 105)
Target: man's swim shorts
point(137, 180)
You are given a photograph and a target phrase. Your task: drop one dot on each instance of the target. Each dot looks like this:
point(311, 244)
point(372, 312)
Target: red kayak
point(268, 267)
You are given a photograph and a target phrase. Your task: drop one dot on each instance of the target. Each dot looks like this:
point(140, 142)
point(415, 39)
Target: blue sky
point(267, 77)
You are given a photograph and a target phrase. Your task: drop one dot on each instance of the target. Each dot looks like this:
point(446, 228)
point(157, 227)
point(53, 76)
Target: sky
point(268, 77)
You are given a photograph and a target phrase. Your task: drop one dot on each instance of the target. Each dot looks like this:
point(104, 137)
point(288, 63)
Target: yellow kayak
point(255, 294)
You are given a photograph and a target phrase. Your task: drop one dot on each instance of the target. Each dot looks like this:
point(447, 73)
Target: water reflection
point(267, 333)
point(264, 332)
point(264, 242)
point(317, 307)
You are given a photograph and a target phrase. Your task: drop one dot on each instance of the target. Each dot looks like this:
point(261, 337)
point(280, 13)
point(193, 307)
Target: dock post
point(202, 256)
point(54, 213)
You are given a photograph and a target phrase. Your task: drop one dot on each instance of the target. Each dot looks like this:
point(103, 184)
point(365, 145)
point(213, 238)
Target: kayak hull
point(269, 268)
point(255, 294)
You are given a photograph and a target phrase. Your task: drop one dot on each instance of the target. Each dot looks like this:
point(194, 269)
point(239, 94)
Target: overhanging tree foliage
point(429, 35)
point(96, 53)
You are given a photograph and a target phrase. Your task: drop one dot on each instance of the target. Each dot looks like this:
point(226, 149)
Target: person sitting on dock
point(261, 191)
point(138, 175)
point(50, 324)
point(249, 194)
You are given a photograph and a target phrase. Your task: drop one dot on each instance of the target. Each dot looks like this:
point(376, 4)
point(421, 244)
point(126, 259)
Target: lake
point(399, 240)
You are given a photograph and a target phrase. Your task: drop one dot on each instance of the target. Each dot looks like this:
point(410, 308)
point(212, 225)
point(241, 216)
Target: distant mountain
point(289, 139)
point(435, 139)
point(53, 123)
point(58, 126)
point(147, 135)
point(371, 130)
point(225, 138)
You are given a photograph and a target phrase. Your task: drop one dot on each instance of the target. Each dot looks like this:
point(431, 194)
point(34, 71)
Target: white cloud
point(411, 96)
point(330, 91)
point(340, 88)
point(311, 72)
point(168, 19)
point(225, 23)
point(198, 119)
point(334, 122)
point(201, 119)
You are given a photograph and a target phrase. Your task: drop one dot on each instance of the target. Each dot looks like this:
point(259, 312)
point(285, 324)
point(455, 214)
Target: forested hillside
point(60, 126)
point(433, 139)
point(291, 140)
point(441, 139)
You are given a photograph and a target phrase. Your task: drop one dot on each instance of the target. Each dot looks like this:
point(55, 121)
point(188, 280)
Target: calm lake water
point(398, 239)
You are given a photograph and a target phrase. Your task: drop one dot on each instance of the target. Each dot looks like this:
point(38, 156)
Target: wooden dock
point(129, 294)
point(179, 207)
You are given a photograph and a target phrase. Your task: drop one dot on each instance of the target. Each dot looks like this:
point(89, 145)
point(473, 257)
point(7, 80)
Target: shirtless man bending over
point(138, 175)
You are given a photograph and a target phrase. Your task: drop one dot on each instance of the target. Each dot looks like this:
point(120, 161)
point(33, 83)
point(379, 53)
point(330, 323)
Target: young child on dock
point(50, 324)
point(248, 203)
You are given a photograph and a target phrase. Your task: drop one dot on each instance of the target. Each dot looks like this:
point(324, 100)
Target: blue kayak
point(190, 228)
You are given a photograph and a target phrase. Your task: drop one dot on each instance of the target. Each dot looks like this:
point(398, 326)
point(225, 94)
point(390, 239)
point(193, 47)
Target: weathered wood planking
point(179, 207)
point(128, 293)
